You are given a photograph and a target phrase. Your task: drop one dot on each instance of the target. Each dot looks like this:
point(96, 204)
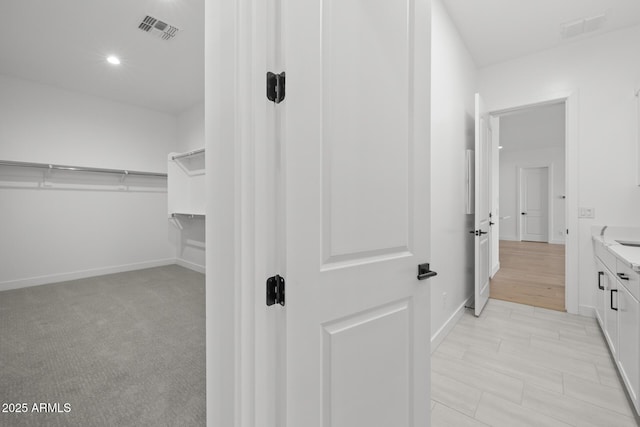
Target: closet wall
point(190, 233)
point(65, 225)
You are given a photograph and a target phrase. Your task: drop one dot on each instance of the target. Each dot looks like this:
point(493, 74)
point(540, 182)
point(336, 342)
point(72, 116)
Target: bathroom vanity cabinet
point(617, 306)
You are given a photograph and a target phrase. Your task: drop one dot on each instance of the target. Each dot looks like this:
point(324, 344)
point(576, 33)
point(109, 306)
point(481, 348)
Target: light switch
point(587, 213)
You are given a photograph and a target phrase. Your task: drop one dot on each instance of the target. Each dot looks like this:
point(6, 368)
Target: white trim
point(495, 269)
point(191, 265)
point(222, 31)
point(572, 285)
point(451, 322)
point(234, 48)
point(510, 238)
point(587, 311)
point(557, 242)
point(82, 274)
point(570, 99)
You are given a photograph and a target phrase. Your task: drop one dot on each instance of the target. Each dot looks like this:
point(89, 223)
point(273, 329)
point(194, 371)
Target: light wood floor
point(530, 273)
point(517, 365)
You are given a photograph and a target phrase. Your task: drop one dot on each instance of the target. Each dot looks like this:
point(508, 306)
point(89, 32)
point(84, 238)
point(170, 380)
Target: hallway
point(517, 365)
point(531, 273)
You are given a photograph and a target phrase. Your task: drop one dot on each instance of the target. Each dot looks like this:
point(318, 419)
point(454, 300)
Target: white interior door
point(534, 202)
point(494, 141)
point(482, 253)
point(356, 162)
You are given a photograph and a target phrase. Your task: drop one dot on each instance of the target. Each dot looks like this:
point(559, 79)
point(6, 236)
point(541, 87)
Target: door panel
point(355, 144)
point(361, 188)
point(611, 313)
point(534, 204)
point(347, 372)
point(600, 290)
point(482, 253)
point(628, 346)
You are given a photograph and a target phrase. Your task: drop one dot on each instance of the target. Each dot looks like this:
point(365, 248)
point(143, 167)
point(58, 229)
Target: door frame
point(237, 214)
point(521, 168)
point(570, 99)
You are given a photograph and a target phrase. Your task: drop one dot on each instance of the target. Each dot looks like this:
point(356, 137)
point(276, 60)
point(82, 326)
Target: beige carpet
point(126, 349)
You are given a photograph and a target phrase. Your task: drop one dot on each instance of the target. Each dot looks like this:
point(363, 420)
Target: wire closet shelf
point(50, 166)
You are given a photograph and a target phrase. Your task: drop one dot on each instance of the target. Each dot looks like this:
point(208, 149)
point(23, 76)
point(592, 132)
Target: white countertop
point(630, 255)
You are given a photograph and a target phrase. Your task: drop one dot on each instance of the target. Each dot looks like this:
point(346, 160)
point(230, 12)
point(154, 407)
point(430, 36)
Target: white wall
point(533, 128)
point(190, 129)
point(452, 132)
point(532, 137)
point(42, 123)
point(510, 161)
point(71, 225)
point(190, 234)
point(604, 73)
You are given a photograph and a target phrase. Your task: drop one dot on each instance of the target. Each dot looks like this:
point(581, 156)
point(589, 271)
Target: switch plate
point(587, 213)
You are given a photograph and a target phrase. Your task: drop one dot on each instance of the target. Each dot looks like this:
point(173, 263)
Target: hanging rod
point(78, 168)
point(188, 215)
point(189, 154)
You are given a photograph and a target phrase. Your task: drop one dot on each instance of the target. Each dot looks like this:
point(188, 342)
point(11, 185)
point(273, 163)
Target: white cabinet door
point(355, 145)
point(628, 345)
point(600, 291)
point(611, 312)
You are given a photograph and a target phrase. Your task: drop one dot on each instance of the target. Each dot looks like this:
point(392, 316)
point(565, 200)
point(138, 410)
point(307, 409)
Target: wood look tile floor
point(530, 273)
point(519, 365)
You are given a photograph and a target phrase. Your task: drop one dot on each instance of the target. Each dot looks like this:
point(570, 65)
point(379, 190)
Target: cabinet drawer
point(608, 259)
point(633, 284)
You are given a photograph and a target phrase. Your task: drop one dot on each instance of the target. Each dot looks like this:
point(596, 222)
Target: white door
point(482, 253)
point(355, 137)
point(534, 202)
point(494, 142)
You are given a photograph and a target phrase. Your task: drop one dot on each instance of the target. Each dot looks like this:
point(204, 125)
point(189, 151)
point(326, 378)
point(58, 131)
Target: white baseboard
point(587, 311)
point(191, 266)
point(444, 330)
point(496, 268)
point(557, 242)
point(510, 238)
point(63, 277)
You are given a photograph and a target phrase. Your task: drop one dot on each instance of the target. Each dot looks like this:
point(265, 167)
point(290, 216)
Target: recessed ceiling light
point(499, 147)
point(113, 60)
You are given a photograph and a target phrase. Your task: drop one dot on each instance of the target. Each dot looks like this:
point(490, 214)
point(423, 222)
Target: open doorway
point(531, 205)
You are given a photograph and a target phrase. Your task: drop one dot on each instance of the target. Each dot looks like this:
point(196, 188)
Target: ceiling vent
point(158, 28)
point(582, 26)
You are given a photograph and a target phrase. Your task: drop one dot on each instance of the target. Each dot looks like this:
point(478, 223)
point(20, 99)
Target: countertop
point(629, 255)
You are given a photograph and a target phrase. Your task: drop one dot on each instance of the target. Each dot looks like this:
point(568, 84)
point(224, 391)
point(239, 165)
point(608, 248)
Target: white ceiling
point(65, 42)
point(498, 30)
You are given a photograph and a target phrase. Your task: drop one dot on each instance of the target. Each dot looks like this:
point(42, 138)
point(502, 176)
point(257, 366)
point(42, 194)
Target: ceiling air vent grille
point(158, 28)
point(582, 26)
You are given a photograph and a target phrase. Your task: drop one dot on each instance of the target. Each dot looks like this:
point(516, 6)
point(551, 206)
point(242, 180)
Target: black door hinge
point(275, 87)
point(275, 290)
